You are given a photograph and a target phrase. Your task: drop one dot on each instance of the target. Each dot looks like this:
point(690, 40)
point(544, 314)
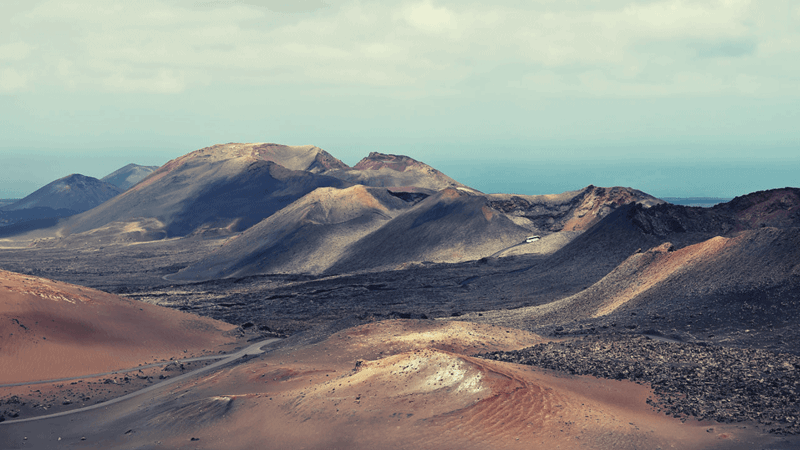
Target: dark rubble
point(690, 380)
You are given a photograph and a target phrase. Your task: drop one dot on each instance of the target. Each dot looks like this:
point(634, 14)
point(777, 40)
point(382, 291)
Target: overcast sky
point(677, 98)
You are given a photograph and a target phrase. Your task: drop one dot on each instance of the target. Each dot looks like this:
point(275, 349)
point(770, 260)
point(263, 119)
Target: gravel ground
point(701, 381)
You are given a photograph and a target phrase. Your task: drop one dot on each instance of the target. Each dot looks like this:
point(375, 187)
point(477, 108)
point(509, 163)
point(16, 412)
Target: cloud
point(11, 81)
point(425, 16)
point(614, 48)
point(164, 82)
point(16, 51)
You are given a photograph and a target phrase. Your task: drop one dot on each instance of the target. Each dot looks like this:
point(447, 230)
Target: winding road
point(252, 350)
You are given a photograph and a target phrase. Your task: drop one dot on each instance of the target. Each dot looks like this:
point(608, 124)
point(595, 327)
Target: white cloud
point(164, 82)
point(11, 81)
point(429, 18)
point(620, 48)
point(16, 51)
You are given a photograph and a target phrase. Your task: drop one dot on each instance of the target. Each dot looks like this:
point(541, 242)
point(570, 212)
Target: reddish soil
point(409, 384)
point(51, 330)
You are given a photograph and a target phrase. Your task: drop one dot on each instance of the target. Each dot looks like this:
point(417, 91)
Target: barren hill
point(64, 197)
point(458, 224)
point(734, 265)
point(569, 211)
point(125, 177)
point(74, 192)
point(365, 228)
point(307, 236)
point(225, 187)
point(400, 172)
point(53, 330)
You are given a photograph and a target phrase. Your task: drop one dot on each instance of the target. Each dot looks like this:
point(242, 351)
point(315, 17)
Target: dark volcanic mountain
point(64, 197)
point(230, 187)
point(364, 228)
point(225, 187)
point(74, 192)
point(734, 265)
point(307, 236)
point(125, 177)
point(452, 225)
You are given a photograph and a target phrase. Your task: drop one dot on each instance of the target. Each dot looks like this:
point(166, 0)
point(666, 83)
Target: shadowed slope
point(64, 197)
point(628, 229)
point(307, 236)
point(452, 225)
point(699, 270)
point(229, 187)
point(75, 192)
point(53, 330)
point(344, 230)
point(717, 276)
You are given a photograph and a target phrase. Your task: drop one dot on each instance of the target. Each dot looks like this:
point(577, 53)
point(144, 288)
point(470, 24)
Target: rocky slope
point(569, 211)
point(453, 225)
point(701, 274)
point(726, 385)
point(307, 236)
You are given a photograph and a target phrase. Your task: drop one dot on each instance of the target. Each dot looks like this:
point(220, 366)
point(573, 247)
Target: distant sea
point(703, 202)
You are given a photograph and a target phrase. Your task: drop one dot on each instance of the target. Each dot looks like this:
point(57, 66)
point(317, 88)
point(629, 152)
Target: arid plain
point(267, 296)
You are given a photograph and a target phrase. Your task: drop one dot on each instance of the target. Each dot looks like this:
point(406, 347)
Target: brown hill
point(227, 187)
point(50, 329)
point(400, 172)
point(714, 278)
point(773, 208)
point(307, 236)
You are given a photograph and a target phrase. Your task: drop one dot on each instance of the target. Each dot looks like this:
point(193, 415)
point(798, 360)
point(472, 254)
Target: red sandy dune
point(50, 329)
point(408, 385)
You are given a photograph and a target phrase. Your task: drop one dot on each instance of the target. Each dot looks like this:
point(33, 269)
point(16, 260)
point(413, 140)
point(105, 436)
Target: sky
point(676, 98)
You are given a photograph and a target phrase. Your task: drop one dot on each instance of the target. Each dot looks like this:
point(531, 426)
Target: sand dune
point(358, 390)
